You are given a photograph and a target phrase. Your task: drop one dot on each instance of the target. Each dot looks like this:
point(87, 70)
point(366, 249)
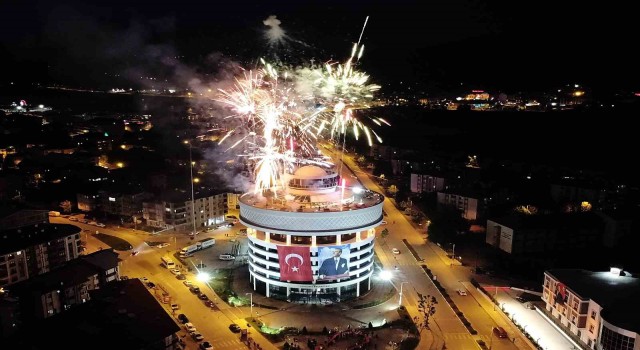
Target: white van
point(226, 257)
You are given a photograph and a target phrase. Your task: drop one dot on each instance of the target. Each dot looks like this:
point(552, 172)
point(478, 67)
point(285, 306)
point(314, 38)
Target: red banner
point(295, 263)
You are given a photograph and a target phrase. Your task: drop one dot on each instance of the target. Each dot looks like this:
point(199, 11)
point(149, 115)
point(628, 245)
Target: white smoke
point(275, 34)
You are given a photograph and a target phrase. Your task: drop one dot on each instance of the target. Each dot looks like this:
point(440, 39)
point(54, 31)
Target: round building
point(311, 241)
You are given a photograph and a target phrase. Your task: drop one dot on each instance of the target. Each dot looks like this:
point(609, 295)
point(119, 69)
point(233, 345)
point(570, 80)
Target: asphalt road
point(212, 324)
point(450, 274)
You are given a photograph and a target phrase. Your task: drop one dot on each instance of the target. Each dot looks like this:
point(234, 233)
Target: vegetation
point(116, 243)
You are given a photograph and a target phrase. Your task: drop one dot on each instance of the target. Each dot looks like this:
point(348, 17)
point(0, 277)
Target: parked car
point(234, 328)
point(194, 289)
point(101, 225)
point(151, 285)
point(162, 245)
point(181, 277)
point(462, 292)
point(189, 327)
point(187, 283)
point(210, 303)
point(183, 318)
point(203, 296)
point(499, 332)
point(206, 346)
point(395, 251)
point(175, 271)
point(175, 307)
point(93, 223)
point(197, 336)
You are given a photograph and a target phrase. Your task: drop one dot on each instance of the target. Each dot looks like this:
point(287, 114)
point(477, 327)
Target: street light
point(193, 202)
point(251, 302)
point(400, 300)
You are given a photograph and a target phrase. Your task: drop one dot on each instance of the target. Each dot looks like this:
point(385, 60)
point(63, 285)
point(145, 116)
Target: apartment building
point(528, 235)
point(420, 183)
point(57, 291)
point(597, 309)
point(467, 204)
point(176, 211)
point(34, 249)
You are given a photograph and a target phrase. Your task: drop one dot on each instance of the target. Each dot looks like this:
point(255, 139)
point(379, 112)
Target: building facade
point(597, 309)
point(311, 241)
point(33, 250)
point(522, 235)
point(178, 214)
point(468, 206)
point(426, 183)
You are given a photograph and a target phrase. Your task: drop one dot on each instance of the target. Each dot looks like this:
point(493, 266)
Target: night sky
point(510, 45)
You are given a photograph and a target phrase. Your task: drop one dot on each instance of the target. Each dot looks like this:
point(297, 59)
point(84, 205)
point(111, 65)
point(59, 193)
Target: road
point(212, 324)
point(449, 273)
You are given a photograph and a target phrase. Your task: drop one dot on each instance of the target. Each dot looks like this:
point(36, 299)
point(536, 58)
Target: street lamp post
point(251, 304)
point(193, 201)
point(400, 300)
point(453, 253)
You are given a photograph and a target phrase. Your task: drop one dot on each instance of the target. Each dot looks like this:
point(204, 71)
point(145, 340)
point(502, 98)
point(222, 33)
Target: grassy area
point(221, 284)
point(114, 242)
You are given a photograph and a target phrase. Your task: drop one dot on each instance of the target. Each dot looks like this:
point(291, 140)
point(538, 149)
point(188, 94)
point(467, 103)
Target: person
point(334, 266)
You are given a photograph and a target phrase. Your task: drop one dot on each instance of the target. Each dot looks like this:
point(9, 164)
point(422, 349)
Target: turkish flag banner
point(295, 263)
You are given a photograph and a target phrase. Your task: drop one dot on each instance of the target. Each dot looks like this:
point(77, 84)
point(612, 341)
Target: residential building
point(120, 315)
point(123, 204)
point(467, 204)
point(233, 200)
point(62, 288)
point(522, 235)
point(599, 310)
point(88, 202)
point(11, 218)
point(426, 183)
point(174, 210)
point(33, 250)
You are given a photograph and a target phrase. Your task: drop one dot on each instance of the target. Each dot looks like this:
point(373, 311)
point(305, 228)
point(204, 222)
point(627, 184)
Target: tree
point(384, 233)
point(427, 308)
point(66, 206)
point(393, 190)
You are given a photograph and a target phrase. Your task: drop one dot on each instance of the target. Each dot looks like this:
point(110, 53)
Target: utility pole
point(400, 300)
point(193, 201)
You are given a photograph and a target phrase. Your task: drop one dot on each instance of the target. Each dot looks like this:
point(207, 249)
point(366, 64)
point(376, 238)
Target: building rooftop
point(571, 220)
point(24, 237)
point(120, 315)
point(73, 273)
point(616, 294)
point(103, 259)
point(316, 202)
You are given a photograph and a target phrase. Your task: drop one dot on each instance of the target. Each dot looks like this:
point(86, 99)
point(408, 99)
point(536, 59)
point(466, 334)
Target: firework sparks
point(281, 115)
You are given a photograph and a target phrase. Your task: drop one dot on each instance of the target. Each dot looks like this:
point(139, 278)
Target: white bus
point(167, 262)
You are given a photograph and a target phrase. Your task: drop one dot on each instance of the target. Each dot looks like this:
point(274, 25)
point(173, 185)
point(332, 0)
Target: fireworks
point(281, 113)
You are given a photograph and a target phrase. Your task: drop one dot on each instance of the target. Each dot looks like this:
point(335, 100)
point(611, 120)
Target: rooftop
point(120, 315)
point(616, 294)
point(24, 237)
point(321, 202)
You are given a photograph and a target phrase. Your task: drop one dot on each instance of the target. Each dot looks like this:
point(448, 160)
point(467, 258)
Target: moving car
point(162, 245)
point(462, 292)
point(499, 332)
point(234, 328)
point(395, 251)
